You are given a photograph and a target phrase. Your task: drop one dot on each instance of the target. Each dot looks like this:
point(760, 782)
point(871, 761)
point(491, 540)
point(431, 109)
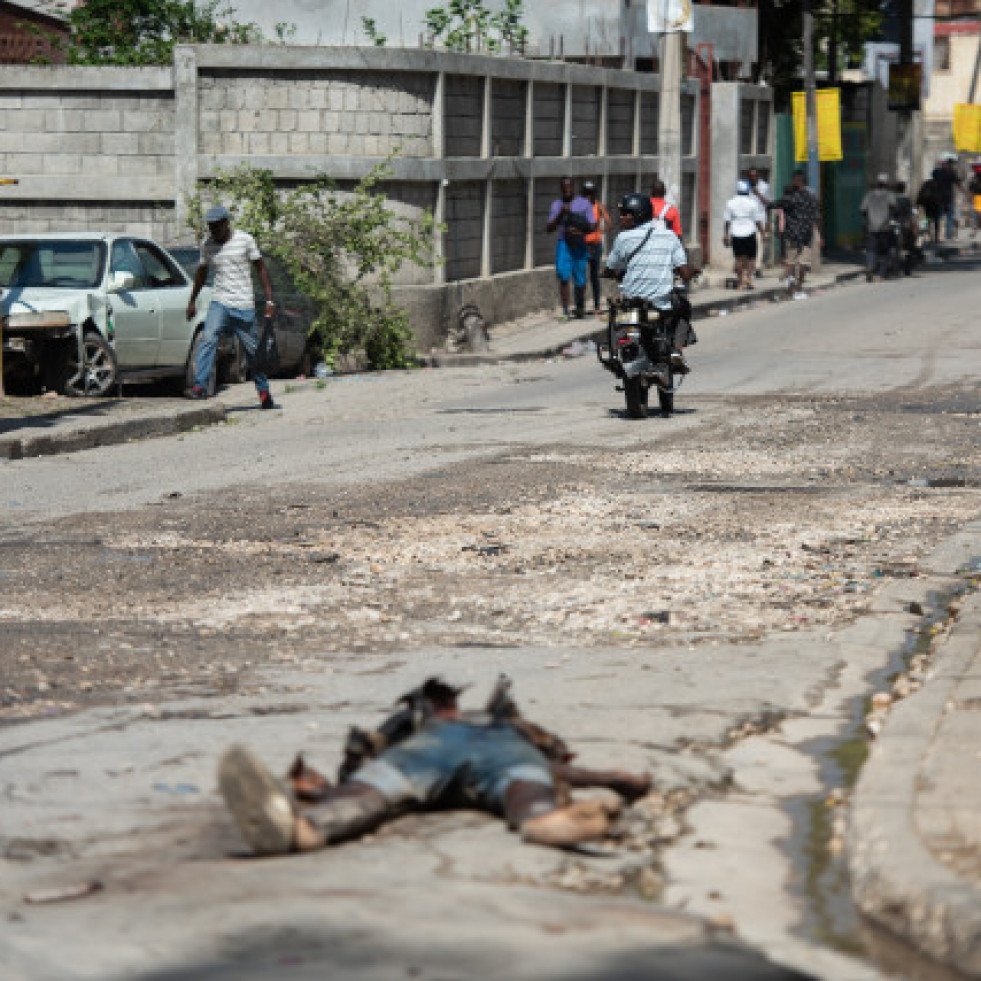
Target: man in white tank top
point(234, 255)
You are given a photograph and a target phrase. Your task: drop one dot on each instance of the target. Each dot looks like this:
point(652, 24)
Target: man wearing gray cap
point(877, 206)
point(233, 255)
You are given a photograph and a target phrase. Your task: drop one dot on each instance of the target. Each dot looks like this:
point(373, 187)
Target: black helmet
point(639, 205)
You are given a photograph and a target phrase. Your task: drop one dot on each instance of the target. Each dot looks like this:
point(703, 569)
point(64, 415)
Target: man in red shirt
point(666, 213)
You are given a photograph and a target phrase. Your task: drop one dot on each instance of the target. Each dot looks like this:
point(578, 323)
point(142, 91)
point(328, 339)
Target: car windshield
point(71, 265)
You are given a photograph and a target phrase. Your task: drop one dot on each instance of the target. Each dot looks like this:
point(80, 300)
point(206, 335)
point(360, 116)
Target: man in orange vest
point(594, 240)
point(665, 214)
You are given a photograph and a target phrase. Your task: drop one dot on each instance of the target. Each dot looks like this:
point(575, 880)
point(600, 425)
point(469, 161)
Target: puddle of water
point(831, 916)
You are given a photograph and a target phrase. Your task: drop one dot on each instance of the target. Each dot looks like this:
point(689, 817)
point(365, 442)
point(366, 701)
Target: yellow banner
point(828, 125)
point(967, 127)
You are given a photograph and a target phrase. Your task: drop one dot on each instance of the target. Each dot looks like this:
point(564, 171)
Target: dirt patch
point(784, 516)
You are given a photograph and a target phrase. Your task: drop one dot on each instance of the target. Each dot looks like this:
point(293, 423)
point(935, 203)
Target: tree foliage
point(342, 250)
point(144, 32)
point(467, 25)
point(781, 37)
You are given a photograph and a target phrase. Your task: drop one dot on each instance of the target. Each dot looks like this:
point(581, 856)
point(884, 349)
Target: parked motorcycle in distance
point(638, 351)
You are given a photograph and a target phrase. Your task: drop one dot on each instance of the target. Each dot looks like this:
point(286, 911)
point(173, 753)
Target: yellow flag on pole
point(828, 125)
point(967, 127)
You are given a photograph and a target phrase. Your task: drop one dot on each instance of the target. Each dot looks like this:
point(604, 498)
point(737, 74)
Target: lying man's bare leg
point(269, 821)
point(532, 809)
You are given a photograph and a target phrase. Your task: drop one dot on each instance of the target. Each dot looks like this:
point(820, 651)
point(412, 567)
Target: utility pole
point(810, 97)
point(904, 116)
point(669, 126)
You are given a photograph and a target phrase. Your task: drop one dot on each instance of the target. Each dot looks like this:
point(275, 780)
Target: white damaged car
point(83, 312)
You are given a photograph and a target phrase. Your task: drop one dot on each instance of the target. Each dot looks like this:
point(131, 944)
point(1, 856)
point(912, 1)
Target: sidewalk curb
point(895, 879)
point(700, 310)
point(181, 420)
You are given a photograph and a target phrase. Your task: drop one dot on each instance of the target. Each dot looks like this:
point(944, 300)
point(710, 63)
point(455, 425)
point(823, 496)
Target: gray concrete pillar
point(185, 132)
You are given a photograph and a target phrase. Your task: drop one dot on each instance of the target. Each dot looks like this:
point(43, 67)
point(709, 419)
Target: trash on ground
point(578, 349)
point(61, 894)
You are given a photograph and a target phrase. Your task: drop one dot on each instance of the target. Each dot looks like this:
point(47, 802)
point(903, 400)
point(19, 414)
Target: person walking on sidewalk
point(594, 240)
point(760, 190)
point(801, 218)
point(743, 219)
point(571, 216)
point(663, 210)
point(877, 207)
point(233, 255)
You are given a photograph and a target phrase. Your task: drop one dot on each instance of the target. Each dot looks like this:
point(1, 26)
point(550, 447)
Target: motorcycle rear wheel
point(635, 393)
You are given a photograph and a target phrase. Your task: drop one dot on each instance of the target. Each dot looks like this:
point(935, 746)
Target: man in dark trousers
point(233, 255)
point(877, 207)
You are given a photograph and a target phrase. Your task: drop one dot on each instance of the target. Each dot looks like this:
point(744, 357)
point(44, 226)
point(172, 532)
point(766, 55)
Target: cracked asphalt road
point(657, 589)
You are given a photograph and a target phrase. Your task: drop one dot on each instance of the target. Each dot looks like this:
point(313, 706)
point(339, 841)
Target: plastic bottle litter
point(322, 370)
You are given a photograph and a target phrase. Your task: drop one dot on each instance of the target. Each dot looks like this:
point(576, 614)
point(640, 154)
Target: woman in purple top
point(573, 218)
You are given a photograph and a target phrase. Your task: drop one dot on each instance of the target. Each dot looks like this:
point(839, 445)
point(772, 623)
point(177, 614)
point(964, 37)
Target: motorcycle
point(638, 350)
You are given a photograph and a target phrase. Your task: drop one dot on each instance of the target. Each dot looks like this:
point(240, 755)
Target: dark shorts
point(472, 762)
point(744, 247)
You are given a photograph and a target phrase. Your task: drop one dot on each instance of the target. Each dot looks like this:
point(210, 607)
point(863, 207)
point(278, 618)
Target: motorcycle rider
point(646, 258)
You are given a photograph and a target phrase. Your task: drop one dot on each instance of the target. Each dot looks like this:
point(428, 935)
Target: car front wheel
point(96, 376)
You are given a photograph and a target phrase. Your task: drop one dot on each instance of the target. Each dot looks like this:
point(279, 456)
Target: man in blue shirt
point(573, 218)
point(645, 259)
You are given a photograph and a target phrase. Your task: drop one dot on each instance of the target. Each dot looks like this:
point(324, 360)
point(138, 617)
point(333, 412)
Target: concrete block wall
point(509, 218)
point(508, 116)
point(549, 114)
point(649, 124)
point(463, 108)
point(482, 142)
point(620, 123)
point(91, 149)
point(463, 241)
point(315, 113)
point(585, 119)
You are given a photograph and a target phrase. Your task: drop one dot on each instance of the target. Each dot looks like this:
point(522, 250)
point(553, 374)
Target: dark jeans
point(595, 255)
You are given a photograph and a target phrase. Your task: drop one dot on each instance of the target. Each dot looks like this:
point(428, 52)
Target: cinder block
point(100, 166)
point(11, 101)
point(208, 122)
point(255, 98)
point(298, 97)
point(309, 120)
point(337, 144)
point(279, 143)
point(287, 120)
point(355, 145)
point(299, 143)
point(228, 121)
point(48, 143)
point(63, 163)
point(258, 143)
point(248, 120)
point(233, 143)
point(210, 143)
point(103, 120)
point(277, 97)
point(317, 142)
point(120, 143)
point(27, 120)
point(318, 96)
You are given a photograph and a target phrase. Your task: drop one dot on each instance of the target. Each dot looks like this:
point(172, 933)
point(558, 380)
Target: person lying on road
point(428, 754)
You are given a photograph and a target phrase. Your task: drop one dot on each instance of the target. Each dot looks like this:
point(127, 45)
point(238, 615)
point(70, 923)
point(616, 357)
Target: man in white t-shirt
point(233, 255)
point(743, 219)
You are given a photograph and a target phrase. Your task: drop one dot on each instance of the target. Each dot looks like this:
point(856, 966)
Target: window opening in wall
point(941, 54)
point(762, 127)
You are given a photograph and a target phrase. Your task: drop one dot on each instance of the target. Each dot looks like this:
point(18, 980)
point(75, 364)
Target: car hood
point(78, 304)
